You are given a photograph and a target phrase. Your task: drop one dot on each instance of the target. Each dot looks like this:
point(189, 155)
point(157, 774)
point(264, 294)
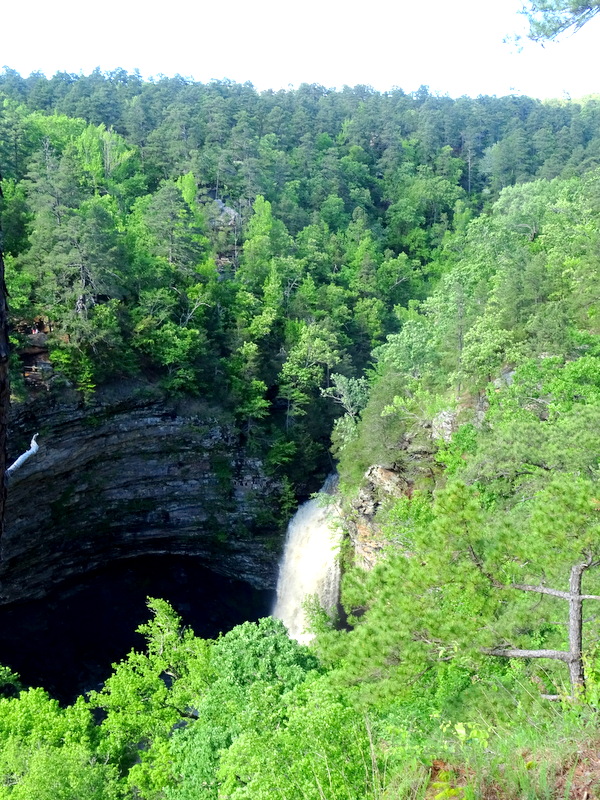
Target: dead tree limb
point(573, 657)
point(33, 448)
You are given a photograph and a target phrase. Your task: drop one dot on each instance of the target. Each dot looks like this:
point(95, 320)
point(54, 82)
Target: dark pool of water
point(68, 641)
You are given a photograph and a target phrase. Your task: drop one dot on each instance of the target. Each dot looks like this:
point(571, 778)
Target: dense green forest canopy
point(417, 274)
point(247, 245)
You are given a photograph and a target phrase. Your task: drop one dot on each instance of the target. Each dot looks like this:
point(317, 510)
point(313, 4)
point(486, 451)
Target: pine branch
point(527, 587)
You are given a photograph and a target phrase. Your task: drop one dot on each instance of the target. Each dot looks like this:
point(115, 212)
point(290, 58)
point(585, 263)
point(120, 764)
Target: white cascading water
point(309, 565)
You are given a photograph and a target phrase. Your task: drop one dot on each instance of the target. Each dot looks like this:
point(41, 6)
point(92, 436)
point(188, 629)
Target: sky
point(455, 48)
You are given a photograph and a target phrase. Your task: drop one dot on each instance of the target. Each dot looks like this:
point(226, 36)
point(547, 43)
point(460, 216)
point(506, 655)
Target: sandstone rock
point(381, 484)
point(443, 425)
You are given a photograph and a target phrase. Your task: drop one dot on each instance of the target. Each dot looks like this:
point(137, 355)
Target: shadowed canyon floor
point(67, 641)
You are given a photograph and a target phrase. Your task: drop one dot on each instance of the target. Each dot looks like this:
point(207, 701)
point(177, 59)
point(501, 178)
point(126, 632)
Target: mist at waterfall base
point(67, 641)
point(309, 565)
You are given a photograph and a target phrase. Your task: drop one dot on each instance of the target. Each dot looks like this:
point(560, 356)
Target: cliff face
point(415, 469)
point(130, 476)
point(382, 484)
point(379, 486)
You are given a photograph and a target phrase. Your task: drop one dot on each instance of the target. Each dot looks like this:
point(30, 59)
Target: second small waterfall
point(309, 565)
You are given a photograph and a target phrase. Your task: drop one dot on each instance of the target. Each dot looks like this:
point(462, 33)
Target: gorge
point(218, 297)
point(128, 497)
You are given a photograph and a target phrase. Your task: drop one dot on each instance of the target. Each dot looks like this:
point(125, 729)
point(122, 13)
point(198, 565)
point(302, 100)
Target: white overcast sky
point(454, 46)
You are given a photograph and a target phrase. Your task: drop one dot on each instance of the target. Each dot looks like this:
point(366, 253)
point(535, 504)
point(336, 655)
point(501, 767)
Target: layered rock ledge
point(132, 475)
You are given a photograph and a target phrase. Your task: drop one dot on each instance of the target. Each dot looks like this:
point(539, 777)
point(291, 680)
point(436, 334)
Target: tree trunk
point(4, 388)
point(573, 657)
point(575, 630)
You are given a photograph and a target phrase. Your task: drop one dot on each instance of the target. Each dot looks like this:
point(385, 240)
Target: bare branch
point(509, 652)
point(33, 448)
point(525, 587)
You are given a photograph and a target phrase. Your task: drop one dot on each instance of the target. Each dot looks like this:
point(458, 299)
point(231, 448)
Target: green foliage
point(304, 369)
point(251, 669)
point(451, 455)
point(322, 748)
point(551, 18)
point(401, 517)
point(275, 253)
point(49, 752)
point(376, 440)
point(19, 283)
point(149, 692)
point(350, 393)
point(448, 588)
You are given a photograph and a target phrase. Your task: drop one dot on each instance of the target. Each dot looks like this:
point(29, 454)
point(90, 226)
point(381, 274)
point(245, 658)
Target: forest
point(356, 278)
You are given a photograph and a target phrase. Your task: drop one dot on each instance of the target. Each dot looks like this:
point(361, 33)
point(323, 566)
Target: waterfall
point(309, 564)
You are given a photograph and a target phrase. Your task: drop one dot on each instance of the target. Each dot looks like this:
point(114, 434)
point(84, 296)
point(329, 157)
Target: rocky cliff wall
point(415, 469)
point(380, 485)
point(132, 475)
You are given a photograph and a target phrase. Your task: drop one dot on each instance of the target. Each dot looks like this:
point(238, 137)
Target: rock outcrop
point(380, 485)
point(131, 475)
point(413, 469)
